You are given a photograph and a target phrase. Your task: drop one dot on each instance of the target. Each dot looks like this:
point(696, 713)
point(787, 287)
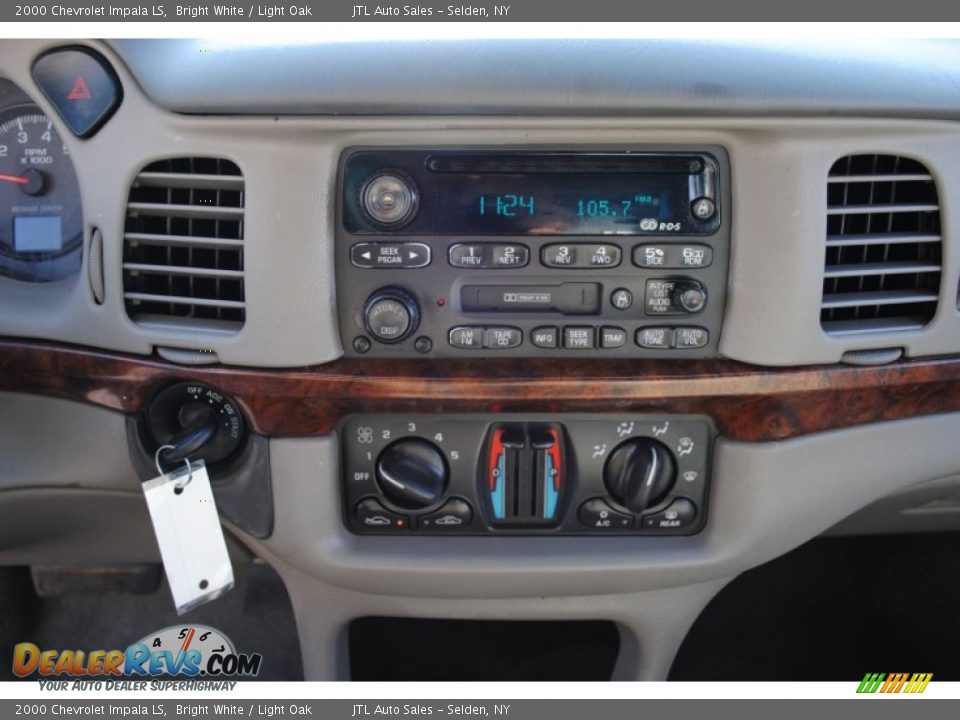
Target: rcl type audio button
point(674, 297)
point(598, 515)
point(404, 255)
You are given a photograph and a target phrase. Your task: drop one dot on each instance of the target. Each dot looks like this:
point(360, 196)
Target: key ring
point(156, 461)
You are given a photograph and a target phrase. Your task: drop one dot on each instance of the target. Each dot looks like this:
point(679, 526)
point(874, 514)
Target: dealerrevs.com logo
point(188, 651)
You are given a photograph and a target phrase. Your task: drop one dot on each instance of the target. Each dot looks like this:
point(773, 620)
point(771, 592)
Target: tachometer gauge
point(41, 222)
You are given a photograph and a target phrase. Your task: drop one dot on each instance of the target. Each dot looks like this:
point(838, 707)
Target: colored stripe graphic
point(892, 683)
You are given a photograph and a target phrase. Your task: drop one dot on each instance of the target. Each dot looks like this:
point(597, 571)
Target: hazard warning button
point(81, 85)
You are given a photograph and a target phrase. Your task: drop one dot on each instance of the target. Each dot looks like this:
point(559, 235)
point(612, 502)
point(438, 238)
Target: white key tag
point(188, 532)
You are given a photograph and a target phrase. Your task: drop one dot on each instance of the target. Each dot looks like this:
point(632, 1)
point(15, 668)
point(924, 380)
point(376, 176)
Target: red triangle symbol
point(80, 90)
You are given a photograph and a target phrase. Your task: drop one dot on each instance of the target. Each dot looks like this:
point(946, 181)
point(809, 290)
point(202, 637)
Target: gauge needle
point(14, 179)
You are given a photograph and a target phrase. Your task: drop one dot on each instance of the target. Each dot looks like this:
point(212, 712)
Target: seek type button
point(579, 338)
point(598, 515)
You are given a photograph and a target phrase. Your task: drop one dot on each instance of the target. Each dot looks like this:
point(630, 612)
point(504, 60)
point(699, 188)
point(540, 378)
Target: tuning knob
point(412, 473)
point(639, 473)
point(391, 314)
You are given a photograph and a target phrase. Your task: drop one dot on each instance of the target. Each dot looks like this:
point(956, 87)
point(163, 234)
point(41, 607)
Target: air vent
point(882, 268)
point(183, 244)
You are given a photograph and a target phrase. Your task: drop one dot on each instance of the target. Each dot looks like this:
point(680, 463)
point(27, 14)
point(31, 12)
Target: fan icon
point(365, 435)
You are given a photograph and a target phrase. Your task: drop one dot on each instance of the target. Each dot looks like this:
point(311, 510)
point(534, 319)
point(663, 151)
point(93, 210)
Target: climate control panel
point(532, 253)
point(526, 475)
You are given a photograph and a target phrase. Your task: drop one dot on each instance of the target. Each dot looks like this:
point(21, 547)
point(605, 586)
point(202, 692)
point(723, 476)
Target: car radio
point(526, 253)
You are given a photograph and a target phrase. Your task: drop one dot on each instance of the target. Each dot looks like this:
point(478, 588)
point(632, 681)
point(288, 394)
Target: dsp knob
point(639, 473)
point(689, 296)
point(391, 314)
point(412, 473)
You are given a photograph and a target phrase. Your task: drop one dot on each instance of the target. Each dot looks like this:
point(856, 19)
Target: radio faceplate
point(532, 254)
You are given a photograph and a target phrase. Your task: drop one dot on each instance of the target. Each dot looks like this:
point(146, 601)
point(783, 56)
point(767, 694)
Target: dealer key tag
point(188, 532)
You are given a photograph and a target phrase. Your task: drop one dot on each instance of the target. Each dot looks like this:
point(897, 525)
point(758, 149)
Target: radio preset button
point(467, 256)
point(544, 337)
point(672, 257)
point(599, 256)
point(579, 338)
point(691, 337)
point(580, 255)
point(502, 338)
point(390, 255)
point(559, 256)
point(508, 256)
point(469, 338)
point(655, 338)
point(695, 256)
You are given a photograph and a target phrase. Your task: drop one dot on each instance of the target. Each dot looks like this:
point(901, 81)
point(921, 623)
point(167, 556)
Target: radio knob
point(412, 473)
point(391, 315)
point(389, 199)
point(689, 296)
point(639, 473)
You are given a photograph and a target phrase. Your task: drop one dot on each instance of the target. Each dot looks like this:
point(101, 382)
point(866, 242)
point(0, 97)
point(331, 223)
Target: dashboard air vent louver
point(183, 244)
point(882, 269)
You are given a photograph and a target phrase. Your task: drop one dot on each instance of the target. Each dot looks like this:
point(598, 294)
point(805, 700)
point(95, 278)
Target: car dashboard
point(531, 330)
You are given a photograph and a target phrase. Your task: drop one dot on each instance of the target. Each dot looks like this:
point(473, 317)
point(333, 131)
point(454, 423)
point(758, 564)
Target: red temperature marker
point(80, 91)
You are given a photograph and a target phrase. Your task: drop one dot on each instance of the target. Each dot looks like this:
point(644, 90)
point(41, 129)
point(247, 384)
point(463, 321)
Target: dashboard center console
point(532, 253)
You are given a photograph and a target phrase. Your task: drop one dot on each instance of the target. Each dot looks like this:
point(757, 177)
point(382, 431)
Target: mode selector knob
point(391, 314)
point(689, 296)
point(412, 473)
point(639, 473)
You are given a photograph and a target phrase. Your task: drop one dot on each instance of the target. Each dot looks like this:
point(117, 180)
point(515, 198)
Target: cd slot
point(565, 163)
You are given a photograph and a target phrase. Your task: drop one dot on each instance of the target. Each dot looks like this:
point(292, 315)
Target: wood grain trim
point(746, 402)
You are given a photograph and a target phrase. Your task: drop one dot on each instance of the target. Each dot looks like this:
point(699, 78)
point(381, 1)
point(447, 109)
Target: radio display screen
point(533, 194)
